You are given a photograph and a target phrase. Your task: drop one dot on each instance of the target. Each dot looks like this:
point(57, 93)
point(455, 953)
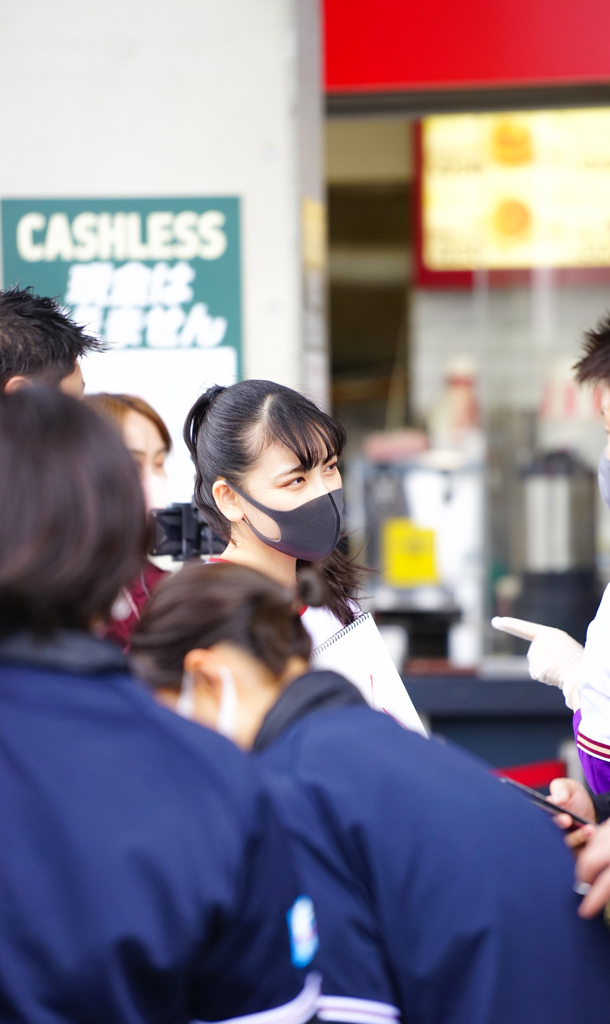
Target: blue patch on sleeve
point(303, 931)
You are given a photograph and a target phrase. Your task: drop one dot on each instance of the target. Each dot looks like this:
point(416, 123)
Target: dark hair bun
point(203, 605)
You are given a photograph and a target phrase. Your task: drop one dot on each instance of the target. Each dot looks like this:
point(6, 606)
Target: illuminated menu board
point(511, 190)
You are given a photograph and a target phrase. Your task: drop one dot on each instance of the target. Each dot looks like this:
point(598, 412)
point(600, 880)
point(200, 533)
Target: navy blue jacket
point(441, 896)
point(143, 875)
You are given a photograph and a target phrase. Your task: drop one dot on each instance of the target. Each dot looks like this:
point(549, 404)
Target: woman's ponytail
point(340, 579)
point(202, 494)
point(196, 416)
point(312, 589)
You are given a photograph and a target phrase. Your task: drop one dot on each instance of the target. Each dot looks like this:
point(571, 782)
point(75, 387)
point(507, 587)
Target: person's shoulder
point(353, 754)
point(358, 742)
point(343, 743)
point(359, 736)
point(188, 750)
point(361, 771)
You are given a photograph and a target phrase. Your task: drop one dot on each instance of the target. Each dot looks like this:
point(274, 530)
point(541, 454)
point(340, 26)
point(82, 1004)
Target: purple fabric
point(597, 772)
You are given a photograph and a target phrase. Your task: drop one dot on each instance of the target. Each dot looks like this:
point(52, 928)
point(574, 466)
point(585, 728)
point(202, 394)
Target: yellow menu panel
point(529, 189)
point(408, 554)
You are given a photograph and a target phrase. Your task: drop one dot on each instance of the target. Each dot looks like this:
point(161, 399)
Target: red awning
point(394, 45)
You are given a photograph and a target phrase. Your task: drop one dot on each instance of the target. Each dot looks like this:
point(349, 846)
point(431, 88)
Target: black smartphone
point(541, 801)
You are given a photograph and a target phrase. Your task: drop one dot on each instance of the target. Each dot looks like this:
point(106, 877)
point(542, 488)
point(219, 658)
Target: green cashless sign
point(143, 273)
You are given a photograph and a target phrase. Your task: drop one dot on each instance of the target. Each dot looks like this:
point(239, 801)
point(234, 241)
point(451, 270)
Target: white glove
point(554, 657)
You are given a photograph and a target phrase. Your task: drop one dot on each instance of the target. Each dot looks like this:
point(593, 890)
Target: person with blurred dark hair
point(40, 344)
point(441, 896)
point(592, 670)
point(555, 658)
point(148, 441)
point(143, 876)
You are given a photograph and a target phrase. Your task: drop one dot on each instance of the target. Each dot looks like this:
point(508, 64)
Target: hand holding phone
point(546, 805)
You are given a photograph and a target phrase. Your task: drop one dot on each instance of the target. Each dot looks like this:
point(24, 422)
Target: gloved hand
point(554, 657)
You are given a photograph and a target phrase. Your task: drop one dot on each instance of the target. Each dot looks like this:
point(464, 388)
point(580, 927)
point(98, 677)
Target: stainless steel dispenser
point(559, 496)
point(560, 585)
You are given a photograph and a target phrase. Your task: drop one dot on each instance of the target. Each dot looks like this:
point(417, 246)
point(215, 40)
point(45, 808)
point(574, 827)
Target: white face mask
point(226, 722)
point(227, 712)
point(155, 491)
point(185, 705)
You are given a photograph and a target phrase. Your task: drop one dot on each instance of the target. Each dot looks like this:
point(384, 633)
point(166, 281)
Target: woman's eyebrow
point(288, 472)
point(301, 468)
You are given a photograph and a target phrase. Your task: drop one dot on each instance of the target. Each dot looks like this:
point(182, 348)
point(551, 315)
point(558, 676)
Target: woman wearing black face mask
point(268, 482)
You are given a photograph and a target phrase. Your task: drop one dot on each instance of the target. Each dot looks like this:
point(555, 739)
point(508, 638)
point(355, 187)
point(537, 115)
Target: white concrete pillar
point(137, 98)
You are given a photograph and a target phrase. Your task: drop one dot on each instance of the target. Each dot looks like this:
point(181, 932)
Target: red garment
point(132, 600)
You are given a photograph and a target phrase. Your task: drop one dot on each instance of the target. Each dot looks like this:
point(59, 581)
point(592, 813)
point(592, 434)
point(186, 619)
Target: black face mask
point(309, 532)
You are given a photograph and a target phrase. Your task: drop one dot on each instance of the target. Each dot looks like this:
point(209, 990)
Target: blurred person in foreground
point(441, 897)
point(39, 344)
point(555, 657)
point(148, 440)
point(143, 876)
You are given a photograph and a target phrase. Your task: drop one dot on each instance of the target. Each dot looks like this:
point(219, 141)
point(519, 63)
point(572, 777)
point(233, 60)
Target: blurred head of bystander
point(224, 640)
point(594, 366)
point(164, 879)
point(72, 518)
point(146, 438)
point(39, 344)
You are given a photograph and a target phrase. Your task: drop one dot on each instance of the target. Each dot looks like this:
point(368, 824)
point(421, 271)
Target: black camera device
point(182, 532)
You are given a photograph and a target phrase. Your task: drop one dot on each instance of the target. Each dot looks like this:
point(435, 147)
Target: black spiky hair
point(594, 366)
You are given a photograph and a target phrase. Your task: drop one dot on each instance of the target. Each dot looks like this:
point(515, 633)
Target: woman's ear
point(227, 501)
point(201, 665)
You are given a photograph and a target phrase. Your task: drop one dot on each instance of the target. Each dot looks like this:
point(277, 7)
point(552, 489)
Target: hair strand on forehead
point(311, 441)
point(594, 366)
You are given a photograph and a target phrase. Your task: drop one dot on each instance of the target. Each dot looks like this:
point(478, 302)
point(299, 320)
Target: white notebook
point(358, 653)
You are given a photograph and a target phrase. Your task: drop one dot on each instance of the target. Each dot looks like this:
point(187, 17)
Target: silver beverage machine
point(425, 536)
point(559, 580)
